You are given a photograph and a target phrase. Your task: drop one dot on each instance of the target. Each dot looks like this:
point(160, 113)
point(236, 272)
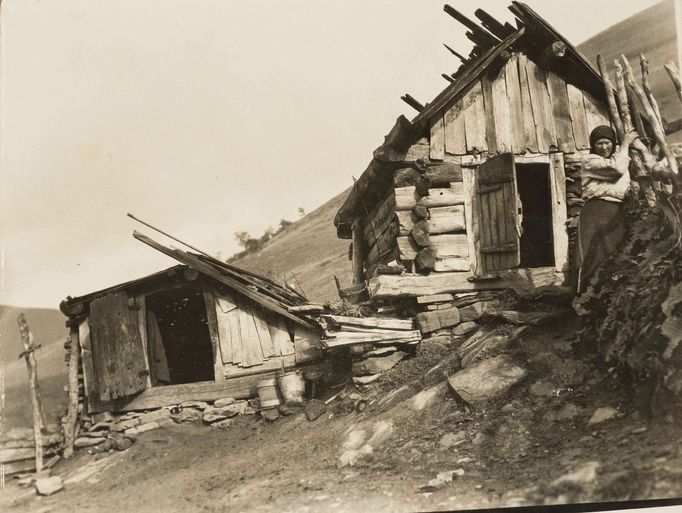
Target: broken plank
point(542, 106)
point(225, 309)
point(511, 74)
point(502, 114)
point(214, 334)
point(489, 114)
point(266, 344)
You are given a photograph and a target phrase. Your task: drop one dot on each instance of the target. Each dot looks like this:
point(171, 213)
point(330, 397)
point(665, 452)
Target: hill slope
point(655, 37)
point(308, 249)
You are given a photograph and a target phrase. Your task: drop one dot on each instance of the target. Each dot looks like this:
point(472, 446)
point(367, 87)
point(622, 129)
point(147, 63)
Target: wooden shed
point(200, 330)
point(481, 189)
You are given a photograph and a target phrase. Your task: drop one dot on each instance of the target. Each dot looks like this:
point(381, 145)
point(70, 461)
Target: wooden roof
point(260, 289)
point(493, 43)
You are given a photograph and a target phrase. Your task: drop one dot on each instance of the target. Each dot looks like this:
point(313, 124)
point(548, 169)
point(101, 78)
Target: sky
point(204, 118)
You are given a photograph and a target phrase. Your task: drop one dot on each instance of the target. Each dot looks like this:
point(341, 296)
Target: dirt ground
point(511, 451)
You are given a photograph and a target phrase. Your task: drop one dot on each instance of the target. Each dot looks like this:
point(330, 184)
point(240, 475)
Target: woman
point(605, 180)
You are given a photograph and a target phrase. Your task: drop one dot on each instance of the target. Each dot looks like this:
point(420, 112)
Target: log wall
point(522, 109)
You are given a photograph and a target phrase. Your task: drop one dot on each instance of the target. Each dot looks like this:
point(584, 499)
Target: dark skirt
point(601, 229)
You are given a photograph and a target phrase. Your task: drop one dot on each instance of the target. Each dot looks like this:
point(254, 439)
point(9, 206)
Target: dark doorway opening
point(184, 353)
point(533, 185)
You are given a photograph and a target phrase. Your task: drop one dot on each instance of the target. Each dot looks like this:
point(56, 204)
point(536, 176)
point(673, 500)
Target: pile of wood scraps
point(376, 344)
point(18, 455)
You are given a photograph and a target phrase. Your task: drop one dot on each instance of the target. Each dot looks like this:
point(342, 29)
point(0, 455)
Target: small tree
point(301, 211)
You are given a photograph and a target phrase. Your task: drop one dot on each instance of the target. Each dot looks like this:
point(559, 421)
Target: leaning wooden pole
point(38, 419)
point(622, 98)
point(674, 74)
point(72, 412)
point(644, 64)
point(647, 111)
point(610, 99)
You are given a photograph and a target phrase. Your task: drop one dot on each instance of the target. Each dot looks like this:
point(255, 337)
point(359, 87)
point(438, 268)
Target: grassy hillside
point(310, 250)
point(651, 32)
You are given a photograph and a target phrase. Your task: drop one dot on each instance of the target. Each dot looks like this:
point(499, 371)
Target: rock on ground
point(486, 379)
point(314, 409)
point(602, 415)
point(49, 485)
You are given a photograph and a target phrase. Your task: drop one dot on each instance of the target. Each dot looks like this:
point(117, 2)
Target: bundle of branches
point(632, 309)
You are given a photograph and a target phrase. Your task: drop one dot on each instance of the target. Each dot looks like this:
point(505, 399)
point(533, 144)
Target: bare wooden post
point(38, 419)
point(358, 244)
point(611, 100)
point(622, 98)
point(72, 412)
point(644, 64)
point(674, 76)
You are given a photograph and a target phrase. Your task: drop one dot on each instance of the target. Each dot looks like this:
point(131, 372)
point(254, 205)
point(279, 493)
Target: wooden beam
point(492, 25)
point(412, 102)
point(413, 285)
point(477, 31)
point(551, 55)
point(456, 54)
point(358, 252)
point(209, 270)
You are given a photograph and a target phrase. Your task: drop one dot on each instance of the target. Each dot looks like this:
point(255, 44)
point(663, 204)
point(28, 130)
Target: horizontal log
point(406, 197)
point(371, 322)
point(449, 245)
point(441, 220)
point(441, 174)
point(436, 298)
point(390, 155)
point(452, 264)
point(398, 337)
point(412, 285)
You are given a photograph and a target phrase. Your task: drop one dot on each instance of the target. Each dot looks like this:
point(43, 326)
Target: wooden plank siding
point(523, 109)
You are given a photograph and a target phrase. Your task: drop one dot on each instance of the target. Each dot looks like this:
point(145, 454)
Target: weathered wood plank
point(251, 351)
point(455, 138)
point(306, 343)
point(226, 315)
point(412, 285)
point(511, 74)
point(379, 218)
point(142, 327)
point(471, 220)
point(280, 337)
point(530, 136)
point(89, 378)
point(214, 334)
point(372, 322)
point(561, 112)
point(581, 134)
point(437, 139)
point(502, 113)
point(358, 260)
point(452, 264)
point(559, 212)
point(117, 347)
point(448, 245)
point(489, 115)
point(475, 119)
point(266, 344)
point(596, 112)
point(406, 197)
point(542, 106)
point(435, 298)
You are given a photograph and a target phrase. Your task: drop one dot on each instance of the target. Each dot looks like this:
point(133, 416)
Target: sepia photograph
point(332, 256)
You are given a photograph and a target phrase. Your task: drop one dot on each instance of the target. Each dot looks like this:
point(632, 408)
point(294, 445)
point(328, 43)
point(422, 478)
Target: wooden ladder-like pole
point(31, 364)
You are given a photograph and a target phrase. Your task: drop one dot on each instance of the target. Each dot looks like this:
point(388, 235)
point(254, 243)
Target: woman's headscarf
point(602, 132)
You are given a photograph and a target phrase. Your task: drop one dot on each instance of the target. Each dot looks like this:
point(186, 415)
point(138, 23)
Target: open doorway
point(533, 185)
point(178, 340)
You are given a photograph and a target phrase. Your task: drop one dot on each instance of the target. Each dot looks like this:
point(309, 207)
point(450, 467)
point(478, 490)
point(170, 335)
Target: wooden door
point(117, 350)
point(497, 205)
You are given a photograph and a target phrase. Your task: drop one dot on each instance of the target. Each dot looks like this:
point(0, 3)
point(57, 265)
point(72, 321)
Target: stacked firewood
point(376, 344)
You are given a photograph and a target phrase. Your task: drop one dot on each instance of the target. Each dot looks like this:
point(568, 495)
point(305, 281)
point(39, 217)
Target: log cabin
point(481, 190)
point(200, 330)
